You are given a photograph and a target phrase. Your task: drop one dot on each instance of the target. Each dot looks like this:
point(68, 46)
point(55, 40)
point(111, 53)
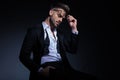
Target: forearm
point(71, 43)
point(26, 50)
point(28, 62)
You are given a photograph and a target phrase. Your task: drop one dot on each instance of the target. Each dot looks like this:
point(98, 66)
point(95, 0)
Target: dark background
point(98, 38)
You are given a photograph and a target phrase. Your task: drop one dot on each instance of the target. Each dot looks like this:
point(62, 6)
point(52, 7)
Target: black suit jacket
point(33, 43)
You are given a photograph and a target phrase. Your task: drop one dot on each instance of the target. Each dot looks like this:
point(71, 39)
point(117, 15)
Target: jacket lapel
point(41, 36)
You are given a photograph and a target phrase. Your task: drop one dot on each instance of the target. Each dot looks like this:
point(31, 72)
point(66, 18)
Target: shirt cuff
point(75, 32)
point(40, 69)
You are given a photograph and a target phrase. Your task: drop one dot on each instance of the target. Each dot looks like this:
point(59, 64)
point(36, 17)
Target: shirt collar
point(45, 26)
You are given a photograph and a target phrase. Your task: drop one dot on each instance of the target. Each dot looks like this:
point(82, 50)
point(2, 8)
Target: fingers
point(45, 71)
point(51, 67)
point(70, 18)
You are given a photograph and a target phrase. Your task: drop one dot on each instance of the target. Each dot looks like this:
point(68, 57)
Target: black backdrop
point(97, 36)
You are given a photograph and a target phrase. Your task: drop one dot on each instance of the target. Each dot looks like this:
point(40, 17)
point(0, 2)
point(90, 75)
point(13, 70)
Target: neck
point(47, 21)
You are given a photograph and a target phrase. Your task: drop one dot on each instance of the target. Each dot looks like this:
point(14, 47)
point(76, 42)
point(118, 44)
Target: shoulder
point(35, 28)
point(60, 31)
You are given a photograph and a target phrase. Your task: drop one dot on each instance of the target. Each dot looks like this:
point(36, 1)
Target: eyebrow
point(63, 16)
point(57, 9)
point(59, 12)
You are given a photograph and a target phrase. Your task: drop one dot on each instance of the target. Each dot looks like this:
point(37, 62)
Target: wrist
point(40, 69)
point(74, 31)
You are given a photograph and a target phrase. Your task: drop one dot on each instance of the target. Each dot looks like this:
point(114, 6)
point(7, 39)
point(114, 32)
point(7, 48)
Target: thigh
point(77, 75)
point(58, 72)
point(55, 74)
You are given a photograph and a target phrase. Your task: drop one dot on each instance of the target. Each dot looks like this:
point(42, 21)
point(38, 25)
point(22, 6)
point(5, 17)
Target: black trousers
point(63, 73)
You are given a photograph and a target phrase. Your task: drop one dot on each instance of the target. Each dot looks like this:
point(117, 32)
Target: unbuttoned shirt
point(53, 54)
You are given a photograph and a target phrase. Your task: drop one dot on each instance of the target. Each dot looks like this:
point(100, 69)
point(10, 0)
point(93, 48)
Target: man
point(49, 47)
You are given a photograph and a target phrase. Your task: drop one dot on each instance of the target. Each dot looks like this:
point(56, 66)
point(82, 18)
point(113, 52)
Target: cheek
point(53, 20)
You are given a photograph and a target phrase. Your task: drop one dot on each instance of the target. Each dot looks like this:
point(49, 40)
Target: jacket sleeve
point(71, 43)
point(26, 50)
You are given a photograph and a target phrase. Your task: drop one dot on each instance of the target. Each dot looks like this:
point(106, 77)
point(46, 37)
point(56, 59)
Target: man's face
point(56, 16)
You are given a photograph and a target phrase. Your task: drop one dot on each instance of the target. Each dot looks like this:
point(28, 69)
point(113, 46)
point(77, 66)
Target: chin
point(56, 26)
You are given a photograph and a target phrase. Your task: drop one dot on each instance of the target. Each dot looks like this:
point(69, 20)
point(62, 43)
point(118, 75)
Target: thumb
point(51, 67)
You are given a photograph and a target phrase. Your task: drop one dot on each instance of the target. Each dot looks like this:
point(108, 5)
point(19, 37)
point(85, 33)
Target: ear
point(51, 12)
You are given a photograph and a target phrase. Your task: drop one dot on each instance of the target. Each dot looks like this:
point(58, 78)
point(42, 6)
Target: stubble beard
point(52, 24)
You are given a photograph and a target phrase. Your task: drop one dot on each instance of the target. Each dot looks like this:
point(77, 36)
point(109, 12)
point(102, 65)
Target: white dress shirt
point(53, 55)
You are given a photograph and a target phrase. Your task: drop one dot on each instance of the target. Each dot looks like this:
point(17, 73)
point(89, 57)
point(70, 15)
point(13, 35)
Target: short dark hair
point(62, 6)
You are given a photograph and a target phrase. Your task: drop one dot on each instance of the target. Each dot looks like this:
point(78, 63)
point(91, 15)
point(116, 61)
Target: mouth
point(57, 23)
